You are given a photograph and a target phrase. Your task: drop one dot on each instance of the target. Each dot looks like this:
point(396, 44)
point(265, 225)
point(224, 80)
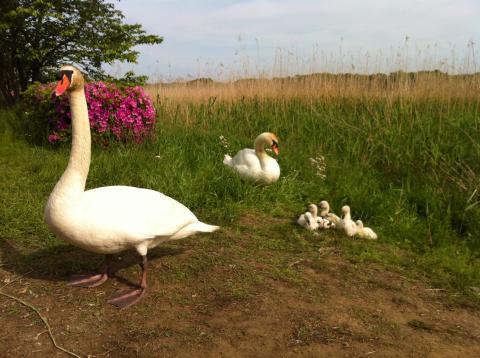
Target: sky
point(227, 39)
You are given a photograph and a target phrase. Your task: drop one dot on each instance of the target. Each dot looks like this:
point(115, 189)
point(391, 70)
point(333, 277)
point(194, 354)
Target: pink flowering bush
point(116, 113)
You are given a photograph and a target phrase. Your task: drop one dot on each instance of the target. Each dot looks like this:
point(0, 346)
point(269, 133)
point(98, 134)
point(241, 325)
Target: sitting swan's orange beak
point(62, 85)
point(275, 148)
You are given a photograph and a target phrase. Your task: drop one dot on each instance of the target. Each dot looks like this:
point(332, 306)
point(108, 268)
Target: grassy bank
point(408, 167)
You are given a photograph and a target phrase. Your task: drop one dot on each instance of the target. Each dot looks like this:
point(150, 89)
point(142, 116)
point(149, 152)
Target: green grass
point(408, 168)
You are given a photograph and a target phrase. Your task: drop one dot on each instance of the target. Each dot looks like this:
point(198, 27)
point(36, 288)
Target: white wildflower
point(224, 143)
point(320, 166)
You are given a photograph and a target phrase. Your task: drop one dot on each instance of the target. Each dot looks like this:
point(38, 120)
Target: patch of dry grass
point(413, 85)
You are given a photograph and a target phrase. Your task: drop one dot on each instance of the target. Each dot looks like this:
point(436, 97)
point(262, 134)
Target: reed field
point(402, 149)
point(400, 84)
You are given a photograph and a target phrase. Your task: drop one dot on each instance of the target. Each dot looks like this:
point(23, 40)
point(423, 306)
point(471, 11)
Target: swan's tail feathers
point(227, 160)
point(202, 227)
point(193, 229)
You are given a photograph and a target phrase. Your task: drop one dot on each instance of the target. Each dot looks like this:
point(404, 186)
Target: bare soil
point(230, 300)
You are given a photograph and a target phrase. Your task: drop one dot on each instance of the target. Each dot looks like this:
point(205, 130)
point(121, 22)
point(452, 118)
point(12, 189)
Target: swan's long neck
point(75, 176)
point(325, 209)
point(259, 148)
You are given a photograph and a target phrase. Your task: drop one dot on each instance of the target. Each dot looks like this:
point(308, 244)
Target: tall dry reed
point(416, 85)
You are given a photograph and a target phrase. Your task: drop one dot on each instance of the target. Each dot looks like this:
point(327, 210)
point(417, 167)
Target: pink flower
point(124, 114)
point(53, 138)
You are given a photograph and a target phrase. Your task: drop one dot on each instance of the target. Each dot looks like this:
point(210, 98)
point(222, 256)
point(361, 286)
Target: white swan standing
point(309, 219)
point(365, 232)
point(255, 164)
point(111, 219)
point(346, 223)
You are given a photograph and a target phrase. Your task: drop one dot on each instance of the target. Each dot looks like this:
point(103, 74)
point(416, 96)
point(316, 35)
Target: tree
point(37, 36)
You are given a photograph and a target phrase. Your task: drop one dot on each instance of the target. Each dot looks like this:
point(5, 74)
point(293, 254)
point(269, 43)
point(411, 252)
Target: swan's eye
point(275, 147)
point(68, 73)
point(64, 81)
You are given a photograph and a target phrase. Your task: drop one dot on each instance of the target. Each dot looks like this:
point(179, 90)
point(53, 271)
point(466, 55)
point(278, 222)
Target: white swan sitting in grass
point(324, 221)
point(332, 220)
point(255, 164)
point(308, 220)
point(365, 232)
point(346, 223)
point(110, 219)
point(324, 208)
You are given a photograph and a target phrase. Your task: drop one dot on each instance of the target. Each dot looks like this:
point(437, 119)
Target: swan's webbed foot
point(126, 297)
point(92, 280)
point(88, 280)
point(129, 296)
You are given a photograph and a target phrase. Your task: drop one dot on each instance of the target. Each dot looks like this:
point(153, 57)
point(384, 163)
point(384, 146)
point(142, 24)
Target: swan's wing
point(301, 220)
point(307, 221)
point(312, 223)
point(123, 212)
point(334, 219)
point(369, 233)
point(246, 158)
point(349, 227)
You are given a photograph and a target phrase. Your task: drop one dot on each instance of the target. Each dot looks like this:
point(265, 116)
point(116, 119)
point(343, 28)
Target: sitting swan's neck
point(74, 178)
point(259, 144)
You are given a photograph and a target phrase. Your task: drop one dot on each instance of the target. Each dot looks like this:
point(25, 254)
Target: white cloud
point(336, 32)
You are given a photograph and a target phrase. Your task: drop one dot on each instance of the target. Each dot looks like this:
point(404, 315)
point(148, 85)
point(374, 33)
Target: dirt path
point(228, 302)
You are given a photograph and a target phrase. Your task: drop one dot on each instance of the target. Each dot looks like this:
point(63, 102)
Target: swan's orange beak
point(62, 85)
point(275, 148)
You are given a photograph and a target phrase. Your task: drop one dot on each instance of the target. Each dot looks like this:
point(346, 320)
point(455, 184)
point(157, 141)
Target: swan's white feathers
point(248, 166)
point(307, 221)
point(365, 232)
point(346, 223)
point(227, 160)
point(115, 218)
point(334, 219)
point(149, 213)
point(248, 158)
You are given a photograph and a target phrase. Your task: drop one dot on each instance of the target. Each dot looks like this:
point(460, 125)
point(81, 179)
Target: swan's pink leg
point(92, 280)
point(127, 297)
